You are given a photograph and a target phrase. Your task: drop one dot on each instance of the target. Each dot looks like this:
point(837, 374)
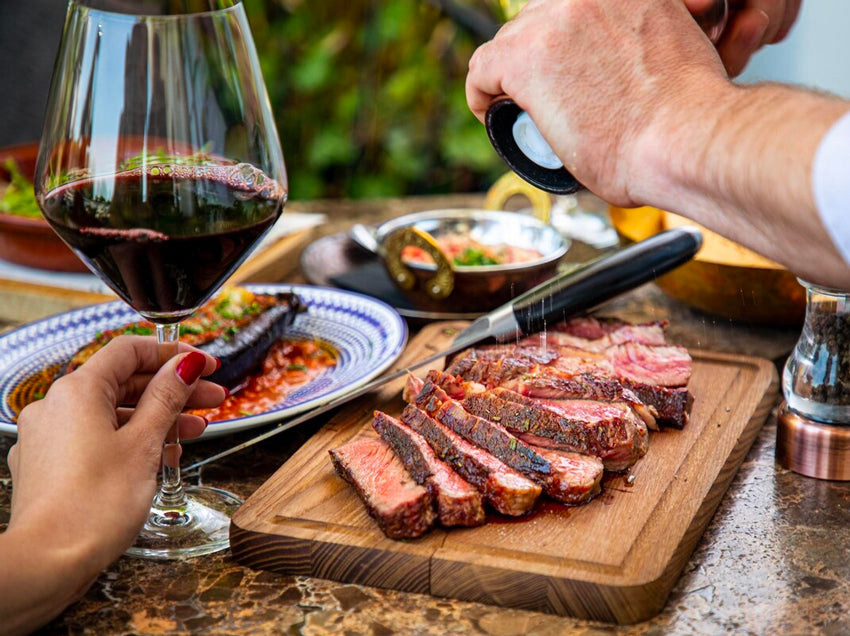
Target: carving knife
point(564, 295)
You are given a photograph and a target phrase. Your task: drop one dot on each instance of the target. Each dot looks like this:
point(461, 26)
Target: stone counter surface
point(775, 558)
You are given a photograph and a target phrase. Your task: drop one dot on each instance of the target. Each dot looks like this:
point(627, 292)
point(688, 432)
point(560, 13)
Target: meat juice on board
point(165, 237)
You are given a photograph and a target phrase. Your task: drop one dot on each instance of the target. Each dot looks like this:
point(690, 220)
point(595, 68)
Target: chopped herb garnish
point(473, 256)
point(296, 367)
point(137, 330)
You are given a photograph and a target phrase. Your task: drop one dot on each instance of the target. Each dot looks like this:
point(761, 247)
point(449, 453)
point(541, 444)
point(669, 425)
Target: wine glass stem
point(171, 493)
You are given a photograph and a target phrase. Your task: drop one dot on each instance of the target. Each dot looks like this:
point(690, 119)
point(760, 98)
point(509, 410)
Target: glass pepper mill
point(813, 435)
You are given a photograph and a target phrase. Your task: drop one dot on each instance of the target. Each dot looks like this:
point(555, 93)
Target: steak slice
point(504, 488)
point(611, 330)
point(544, 382)
point(668, 405)
point(402, 508)
point(619, 443)
point(567, 477)
point(608, 430)
point(458, 502)
point(654, 365)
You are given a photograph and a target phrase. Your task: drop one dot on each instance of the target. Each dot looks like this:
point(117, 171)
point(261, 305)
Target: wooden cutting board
point(614, 559)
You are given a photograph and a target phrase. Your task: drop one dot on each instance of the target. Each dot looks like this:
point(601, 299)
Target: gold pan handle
point(508, 185)
point(438, 286)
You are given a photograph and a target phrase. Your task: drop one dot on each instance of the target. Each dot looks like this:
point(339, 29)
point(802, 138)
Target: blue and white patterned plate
point(368, 335)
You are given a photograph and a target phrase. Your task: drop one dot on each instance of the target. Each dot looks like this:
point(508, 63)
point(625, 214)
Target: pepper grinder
point(519, 143)
point(813, 434)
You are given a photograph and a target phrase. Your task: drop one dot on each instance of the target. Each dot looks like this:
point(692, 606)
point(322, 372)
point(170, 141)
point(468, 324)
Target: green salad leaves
point(19, 196)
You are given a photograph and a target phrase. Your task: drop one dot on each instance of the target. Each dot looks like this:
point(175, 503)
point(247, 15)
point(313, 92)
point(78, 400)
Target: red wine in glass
point(198, 224)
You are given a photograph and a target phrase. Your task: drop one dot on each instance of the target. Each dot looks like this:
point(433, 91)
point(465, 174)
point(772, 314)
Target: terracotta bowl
point(31, 241)
point(724, 279)
point(449, 287)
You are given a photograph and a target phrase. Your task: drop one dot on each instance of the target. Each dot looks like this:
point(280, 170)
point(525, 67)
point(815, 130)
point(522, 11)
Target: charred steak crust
point(458, 502)
point(402, 508)
point(569, 478)
point(618, 444)
point(671, 406)
point(608, 430)
point(508, 491)
point(493, 438)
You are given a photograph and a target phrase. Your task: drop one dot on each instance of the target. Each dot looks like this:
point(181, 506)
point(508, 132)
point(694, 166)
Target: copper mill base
point(812, 448)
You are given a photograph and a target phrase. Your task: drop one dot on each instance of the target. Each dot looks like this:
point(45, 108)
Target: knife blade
point(564, 295)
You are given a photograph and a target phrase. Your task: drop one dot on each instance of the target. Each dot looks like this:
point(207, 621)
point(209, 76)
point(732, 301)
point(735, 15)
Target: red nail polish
point(226, 392)
point(191, 366)
point(217, 364)
point(206, 422)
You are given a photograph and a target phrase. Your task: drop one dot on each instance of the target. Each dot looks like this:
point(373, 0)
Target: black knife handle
point(590, 285)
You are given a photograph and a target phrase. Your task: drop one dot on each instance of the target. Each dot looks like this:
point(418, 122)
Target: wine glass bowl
point(160, 166)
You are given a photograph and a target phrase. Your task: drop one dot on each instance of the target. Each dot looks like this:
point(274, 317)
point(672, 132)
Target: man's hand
point(568, 62)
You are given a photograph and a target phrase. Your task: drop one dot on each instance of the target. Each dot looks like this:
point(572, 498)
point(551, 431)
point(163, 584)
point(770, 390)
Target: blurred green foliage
point(369, 97)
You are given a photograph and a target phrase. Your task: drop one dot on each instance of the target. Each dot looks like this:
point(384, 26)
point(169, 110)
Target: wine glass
point(161, 167)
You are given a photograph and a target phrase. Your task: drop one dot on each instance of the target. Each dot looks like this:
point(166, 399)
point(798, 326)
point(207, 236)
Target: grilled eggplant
point(237, 326)
point(242, 353)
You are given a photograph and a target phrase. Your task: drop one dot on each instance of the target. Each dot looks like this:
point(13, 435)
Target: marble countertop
point(775, 559)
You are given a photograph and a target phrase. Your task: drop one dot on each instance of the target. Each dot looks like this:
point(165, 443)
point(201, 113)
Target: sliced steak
point(618, 443)
point(672, 405)
point(504, 488)
point(566, 378)
point(544, 382)
point(402, 508)
point(458, 502)
point(612, 330)
point(570, 478)
point(656, 365)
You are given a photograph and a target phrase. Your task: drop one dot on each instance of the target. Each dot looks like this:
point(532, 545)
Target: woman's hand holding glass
point(85, 467)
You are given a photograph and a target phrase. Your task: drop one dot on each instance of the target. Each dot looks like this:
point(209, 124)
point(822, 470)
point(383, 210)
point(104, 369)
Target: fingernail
point(191, 366)
point(226, 391)
point(217, 364)
point(206, 422)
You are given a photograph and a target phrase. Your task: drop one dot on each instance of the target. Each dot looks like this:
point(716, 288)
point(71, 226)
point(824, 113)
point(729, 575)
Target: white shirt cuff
point(831, 183)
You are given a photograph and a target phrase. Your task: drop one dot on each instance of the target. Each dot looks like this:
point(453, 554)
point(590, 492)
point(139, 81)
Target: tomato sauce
point(463, 250)
point(289, 364)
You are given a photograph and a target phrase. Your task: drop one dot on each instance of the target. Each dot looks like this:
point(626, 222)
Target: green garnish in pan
point(473, 256)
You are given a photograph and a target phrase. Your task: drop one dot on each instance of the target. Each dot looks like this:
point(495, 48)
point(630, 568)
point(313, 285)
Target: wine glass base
point(201, 526)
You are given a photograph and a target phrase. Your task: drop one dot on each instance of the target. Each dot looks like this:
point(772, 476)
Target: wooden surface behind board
point(614, 559)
